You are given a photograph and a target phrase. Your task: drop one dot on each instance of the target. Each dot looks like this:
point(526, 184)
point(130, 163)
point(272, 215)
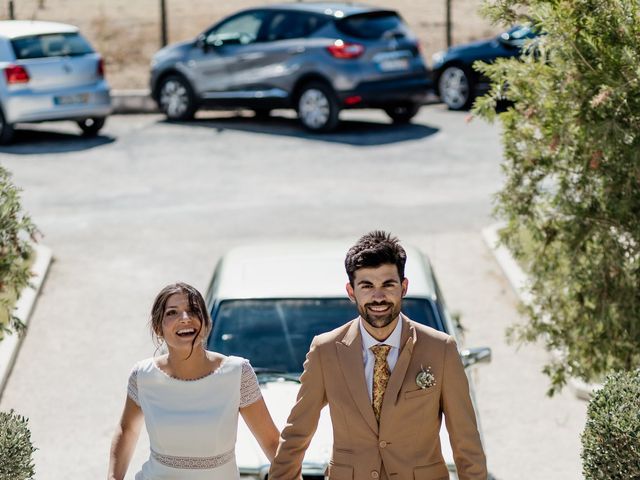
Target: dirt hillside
point(127, 32)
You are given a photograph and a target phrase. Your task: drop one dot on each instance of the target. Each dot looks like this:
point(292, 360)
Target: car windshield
point(370, 26)
point(275, 334)
point(51, 45)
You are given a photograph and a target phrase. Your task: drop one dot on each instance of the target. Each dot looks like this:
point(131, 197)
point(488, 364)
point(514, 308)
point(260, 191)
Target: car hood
point(472, 48)
point(174, 50)
point(280, 397)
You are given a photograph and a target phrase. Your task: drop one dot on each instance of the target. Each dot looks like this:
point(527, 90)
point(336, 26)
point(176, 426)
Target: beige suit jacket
point(406, 443)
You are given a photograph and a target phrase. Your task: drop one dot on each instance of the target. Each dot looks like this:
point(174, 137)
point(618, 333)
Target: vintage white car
point(267, 303)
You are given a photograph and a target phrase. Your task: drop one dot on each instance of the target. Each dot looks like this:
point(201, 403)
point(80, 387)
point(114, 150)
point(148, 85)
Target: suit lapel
point(407, 340)
point(350, 359)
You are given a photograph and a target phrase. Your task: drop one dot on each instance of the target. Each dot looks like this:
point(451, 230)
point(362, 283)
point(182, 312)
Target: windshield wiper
point(272, 372)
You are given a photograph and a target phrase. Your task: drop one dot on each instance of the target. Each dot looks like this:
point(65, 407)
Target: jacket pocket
point(340, 472)
point(420, 393)
point(435, 471)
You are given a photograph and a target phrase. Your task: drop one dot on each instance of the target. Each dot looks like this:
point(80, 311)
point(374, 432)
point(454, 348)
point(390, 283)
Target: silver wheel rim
point(174, 98)
point(314, 108)
point(454, 87)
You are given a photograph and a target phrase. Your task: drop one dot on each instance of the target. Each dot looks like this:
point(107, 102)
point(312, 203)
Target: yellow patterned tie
point(381, 374)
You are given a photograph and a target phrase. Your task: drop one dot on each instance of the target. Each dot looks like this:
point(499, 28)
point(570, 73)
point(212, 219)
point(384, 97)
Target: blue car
point(455, 80)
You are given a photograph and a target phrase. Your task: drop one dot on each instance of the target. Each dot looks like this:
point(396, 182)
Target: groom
point(388, 381)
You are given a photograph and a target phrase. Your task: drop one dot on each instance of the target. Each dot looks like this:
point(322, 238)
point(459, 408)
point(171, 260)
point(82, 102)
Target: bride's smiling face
point(180, 323)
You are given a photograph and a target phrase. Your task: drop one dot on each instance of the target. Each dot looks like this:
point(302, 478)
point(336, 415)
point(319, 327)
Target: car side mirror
point(472, 356)
point(201, 42)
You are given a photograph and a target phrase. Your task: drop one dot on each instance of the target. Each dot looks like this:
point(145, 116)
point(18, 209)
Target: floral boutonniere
point(425, 379)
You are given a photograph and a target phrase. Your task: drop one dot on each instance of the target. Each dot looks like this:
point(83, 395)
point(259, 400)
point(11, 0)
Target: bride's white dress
point(192, 424)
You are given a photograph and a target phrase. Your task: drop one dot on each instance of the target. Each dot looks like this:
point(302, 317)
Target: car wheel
point(176, 98)
point(318, 107)
point(456, 88)
point(6, 130)
point(91, 126)
point(402, 113)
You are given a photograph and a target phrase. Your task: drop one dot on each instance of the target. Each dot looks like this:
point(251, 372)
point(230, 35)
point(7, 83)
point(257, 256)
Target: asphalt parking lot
point(150, 202)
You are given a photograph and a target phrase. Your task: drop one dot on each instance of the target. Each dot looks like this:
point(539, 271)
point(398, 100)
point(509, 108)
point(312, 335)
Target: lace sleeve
point(132, 388)
point(249, 388)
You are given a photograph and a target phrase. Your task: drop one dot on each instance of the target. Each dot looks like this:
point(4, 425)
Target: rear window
point(370, 26)
point(288, 25)
point(50, 45)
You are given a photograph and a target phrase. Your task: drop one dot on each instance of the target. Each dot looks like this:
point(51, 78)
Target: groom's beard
point(379, 321)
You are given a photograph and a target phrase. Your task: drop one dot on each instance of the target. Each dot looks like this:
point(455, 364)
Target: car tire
point(6, 130)
point(317, 107)
point(456, 87)
point(403, 112)
point(176, 98)
point(91, 126)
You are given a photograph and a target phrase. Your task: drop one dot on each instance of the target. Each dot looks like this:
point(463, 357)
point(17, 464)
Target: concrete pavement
point(149, 202)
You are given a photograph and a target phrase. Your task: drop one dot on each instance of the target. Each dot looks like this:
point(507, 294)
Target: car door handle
point(295, 50)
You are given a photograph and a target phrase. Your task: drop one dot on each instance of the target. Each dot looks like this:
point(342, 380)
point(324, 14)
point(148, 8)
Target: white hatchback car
point(267, 303)
point(50, 72)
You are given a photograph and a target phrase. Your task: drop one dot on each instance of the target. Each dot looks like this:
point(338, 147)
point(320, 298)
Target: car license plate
point(393, 61)
point(71, 99)
point(394, 64)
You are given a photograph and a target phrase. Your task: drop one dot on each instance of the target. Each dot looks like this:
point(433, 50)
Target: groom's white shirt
point(369, 358)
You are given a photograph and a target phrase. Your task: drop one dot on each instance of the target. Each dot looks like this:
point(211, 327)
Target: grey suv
point(317, 58)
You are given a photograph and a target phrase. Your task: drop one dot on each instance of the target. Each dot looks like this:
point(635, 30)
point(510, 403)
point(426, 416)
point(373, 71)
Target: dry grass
point(127, 32)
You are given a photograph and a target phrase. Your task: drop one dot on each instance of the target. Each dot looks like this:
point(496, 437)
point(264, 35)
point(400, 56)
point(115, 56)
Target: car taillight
point(100, 68)
point(16, 74)
point(345, 50)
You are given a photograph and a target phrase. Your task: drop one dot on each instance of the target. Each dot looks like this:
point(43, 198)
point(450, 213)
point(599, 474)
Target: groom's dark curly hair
point(374, 249)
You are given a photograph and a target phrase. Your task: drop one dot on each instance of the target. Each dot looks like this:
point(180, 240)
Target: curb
point(140, 101)
point(519, 281)
point(10, 345)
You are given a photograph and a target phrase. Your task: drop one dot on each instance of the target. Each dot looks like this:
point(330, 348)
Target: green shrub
point(571, 194)
point(16, 449)
point(611, 438)
point(16, 234)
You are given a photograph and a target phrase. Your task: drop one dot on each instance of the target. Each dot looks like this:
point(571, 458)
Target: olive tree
point(16, 234)
point(571, 198)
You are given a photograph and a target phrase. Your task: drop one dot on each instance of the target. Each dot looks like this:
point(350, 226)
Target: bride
point(189, 400)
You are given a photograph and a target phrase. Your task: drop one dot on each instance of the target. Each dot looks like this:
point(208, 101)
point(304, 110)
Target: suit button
point(374, 474)
point(382, 444)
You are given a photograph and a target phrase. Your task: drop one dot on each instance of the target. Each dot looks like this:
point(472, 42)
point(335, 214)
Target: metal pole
point(12, 14)
point(163, 23)
point(448, 22)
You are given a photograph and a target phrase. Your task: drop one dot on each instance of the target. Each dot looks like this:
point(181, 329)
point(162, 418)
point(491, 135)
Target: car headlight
point(438, 57)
